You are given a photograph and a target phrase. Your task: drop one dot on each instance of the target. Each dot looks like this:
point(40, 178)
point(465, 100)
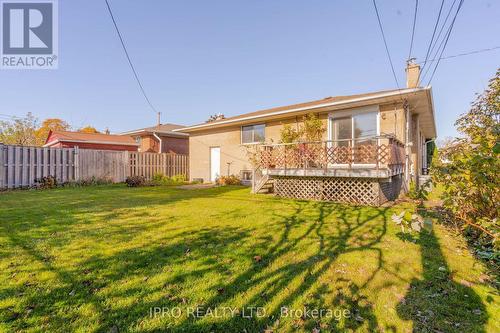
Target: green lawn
point(100, 258)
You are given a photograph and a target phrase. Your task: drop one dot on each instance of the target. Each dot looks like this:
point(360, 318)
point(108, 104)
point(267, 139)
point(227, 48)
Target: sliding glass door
point(357, 131)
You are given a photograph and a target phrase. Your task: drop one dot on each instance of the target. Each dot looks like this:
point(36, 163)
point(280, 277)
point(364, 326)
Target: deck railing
point(372, 152)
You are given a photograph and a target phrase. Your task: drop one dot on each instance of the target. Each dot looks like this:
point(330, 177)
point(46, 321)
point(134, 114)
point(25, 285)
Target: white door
point(214, 163)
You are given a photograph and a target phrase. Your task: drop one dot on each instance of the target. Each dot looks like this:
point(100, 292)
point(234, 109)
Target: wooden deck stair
point(265, 185)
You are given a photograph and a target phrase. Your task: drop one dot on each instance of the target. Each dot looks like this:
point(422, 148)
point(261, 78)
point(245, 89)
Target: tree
point(50, 124)
point(88, 129)
point(310, 130)
point(468, 167)
point(19, 131)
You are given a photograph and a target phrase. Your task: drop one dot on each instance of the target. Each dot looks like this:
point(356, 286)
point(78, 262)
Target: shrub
point(135, 181)
point(468, 169)
point(410, 222)
point(228, 180)
point(91, 181)
point(160, 179)
point(179, 179)
point(419, 193)
point(311, 129)
point(46, 182)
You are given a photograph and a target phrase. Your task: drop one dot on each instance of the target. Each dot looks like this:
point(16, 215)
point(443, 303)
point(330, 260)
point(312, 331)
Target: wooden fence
point(20, 166)
point(147, 164)
point(103, 163)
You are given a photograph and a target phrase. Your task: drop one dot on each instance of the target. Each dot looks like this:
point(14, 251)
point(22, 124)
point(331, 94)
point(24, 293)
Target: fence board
point(2, 166)
point(147, 164)
point(21, 166)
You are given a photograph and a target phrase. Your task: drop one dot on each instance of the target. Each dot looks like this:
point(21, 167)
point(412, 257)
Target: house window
point(138, 140)
point(253, 133)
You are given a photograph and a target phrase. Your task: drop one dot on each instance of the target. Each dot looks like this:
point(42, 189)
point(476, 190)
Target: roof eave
point(162, 133)
point(53, 142)
point(431, 102)
point(284, 112)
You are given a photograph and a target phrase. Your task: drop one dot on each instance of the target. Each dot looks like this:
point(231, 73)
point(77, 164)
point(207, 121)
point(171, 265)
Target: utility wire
point(128, 58)
point(432, 38)
point(3, 115)
point(385, 43)
point(461, 54)
point(437, 39)
point(413, 29)
point(447, 38)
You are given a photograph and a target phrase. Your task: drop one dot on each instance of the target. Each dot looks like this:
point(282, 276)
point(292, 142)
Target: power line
point(433, 34)
point(444, 24)
point(447, 38)
point(437, 39)
point(462, 54)
point(413, 29)
point(128, 58)
point(3, 115)
point(385, 43)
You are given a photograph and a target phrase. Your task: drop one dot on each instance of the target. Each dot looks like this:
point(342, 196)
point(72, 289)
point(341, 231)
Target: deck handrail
point(372, 137)
point(384, 151)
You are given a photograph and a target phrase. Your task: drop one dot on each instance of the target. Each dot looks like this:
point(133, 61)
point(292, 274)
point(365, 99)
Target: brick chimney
point(412, 73)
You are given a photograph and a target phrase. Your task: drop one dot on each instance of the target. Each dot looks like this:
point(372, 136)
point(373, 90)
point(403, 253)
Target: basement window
point(253, 134)
point(246, 175)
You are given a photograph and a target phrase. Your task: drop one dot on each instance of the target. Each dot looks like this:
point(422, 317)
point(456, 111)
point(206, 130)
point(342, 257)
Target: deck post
point(351, 152)
point(326, 157)
point(284, 158)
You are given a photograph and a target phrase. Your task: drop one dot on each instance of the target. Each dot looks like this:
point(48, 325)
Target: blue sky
point(197, 58)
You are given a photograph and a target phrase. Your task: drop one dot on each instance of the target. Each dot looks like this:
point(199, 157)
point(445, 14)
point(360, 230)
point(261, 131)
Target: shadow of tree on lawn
point(436, 303)
point(299, 266)
point(286, 277)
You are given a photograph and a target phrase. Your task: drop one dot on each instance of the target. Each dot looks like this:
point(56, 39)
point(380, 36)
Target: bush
point(311, 129)
point(419, 193)
point(179, 179)
point(160, 179)
point(228, 180)
point(92, 181)
point(47, 182)
point(135, 181)
point(468, 169)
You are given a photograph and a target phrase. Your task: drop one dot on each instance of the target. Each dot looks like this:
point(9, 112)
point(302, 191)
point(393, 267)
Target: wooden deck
point(373, 157)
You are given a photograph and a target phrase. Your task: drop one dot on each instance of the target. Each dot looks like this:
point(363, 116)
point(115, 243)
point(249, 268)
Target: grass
point(99, 259)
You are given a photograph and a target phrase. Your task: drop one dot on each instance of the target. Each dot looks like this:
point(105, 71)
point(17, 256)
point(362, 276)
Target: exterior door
point(214, 163)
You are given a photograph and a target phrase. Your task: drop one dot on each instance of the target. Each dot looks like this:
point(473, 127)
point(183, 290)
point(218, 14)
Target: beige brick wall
point(392, 121)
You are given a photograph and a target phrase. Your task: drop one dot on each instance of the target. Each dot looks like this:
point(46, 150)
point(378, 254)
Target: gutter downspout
point(407, 141)
point(159, 140)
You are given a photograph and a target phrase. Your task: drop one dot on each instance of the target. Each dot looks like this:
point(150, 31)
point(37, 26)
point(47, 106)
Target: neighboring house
point(161, 139)
point(373, 146)
point(66, 139)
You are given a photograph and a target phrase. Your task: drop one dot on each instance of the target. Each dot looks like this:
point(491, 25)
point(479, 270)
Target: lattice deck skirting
point(367, 191)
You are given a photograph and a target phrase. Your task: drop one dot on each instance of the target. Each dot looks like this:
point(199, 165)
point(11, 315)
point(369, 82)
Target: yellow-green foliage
point(469, 169)
point(311, 129)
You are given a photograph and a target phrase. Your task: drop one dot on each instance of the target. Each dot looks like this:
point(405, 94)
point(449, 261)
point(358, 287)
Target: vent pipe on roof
point(159, 119)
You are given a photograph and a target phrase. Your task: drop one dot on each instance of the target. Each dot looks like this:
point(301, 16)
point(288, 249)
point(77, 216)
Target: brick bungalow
point(161, 139)
point(373, 146)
